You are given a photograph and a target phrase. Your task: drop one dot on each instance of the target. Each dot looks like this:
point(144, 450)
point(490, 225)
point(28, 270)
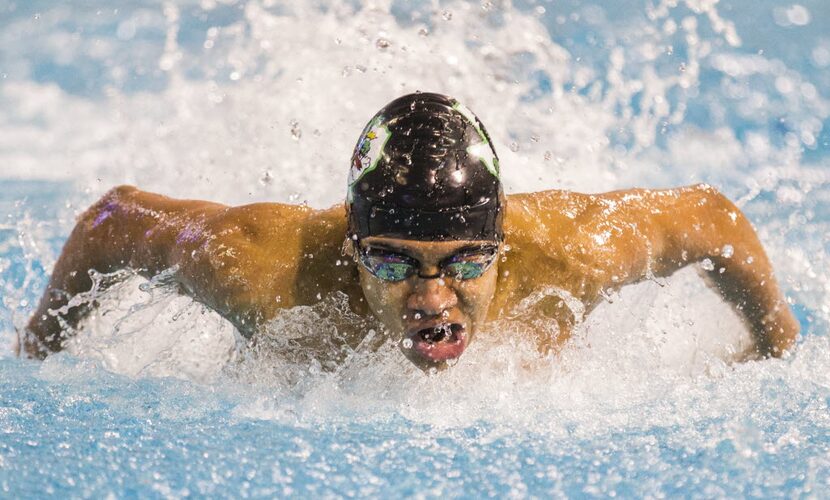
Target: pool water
point(262, 100)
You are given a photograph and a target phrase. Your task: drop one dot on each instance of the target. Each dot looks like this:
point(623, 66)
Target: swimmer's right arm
point(126, 228)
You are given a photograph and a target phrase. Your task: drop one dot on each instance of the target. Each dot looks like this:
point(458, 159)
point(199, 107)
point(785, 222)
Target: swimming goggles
point(392, 266)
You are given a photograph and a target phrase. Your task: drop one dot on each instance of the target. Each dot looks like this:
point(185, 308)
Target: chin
point(425, 365)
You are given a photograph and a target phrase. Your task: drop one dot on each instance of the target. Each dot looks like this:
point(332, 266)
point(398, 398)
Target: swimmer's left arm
point(699, 225)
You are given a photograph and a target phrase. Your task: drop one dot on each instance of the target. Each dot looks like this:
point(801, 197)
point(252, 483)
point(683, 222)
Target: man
point(435, 248)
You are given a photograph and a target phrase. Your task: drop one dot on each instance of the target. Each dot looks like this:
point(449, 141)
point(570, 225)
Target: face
point(433, 295)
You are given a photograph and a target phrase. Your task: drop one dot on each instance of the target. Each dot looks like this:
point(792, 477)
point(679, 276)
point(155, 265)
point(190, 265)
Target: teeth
point(438, 333)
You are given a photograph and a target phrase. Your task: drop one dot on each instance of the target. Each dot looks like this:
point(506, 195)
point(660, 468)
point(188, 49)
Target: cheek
point(476, 295)
point(385, 300)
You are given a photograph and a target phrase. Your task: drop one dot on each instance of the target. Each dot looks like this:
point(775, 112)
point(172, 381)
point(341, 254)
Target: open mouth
point(439, 342)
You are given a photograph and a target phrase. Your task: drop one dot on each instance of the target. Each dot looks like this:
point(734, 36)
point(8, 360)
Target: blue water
point(242, 101)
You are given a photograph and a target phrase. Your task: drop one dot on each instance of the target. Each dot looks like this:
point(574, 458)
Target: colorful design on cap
point(482, 150)
point(369, 150)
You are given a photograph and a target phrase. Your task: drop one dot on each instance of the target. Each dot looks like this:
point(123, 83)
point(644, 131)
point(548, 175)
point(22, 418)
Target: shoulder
point(567, 207)
point(580, 238)
point(269, 250)
point(278, 225)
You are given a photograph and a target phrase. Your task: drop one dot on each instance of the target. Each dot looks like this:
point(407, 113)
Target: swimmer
point(426, 242)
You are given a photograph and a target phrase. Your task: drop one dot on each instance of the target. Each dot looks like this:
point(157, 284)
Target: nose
point(431, 297)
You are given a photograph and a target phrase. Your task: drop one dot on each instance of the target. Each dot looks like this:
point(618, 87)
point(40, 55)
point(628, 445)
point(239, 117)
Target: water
point(261, 100)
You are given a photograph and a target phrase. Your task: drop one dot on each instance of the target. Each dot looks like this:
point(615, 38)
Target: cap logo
point(482, 150)
point(369, 150)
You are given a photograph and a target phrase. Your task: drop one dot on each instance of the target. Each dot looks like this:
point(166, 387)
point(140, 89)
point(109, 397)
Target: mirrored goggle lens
point(389, 267)
point(469, 266)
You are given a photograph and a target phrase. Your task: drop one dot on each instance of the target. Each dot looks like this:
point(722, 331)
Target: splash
point(241, 102)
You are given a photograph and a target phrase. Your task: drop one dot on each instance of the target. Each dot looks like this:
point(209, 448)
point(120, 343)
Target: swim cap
point(425, 169)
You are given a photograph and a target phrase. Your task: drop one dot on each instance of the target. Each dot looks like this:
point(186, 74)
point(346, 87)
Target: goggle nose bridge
point(439, 274)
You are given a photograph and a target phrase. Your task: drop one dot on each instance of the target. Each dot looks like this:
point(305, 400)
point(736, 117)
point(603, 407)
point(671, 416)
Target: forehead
point(423, 249)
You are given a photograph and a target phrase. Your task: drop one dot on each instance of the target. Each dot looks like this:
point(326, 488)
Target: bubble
point(447, 15)
point(407, 343)
point(798, 15)
point(821, 56)
point(707, 264)
point(727, 251)
point(382, 43)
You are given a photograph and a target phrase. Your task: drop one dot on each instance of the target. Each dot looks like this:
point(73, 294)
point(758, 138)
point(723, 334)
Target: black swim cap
point(425, 169)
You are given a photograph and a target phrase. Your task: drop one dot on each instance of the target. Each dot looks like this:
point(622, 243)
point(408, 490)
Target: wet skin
point(249, 262)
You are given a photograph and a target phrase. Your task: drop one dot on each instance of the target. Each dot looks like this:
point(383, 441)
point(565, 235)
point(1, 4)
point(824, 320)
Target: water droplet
point(534, 138)
point(417, 316)
point(514, 146)
point(707, 265)
point(267, 178)
point(447, 15)
point(423, 32)
point(382, 43)
point(407, 343)
point(727, 251)
point(296, 132)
